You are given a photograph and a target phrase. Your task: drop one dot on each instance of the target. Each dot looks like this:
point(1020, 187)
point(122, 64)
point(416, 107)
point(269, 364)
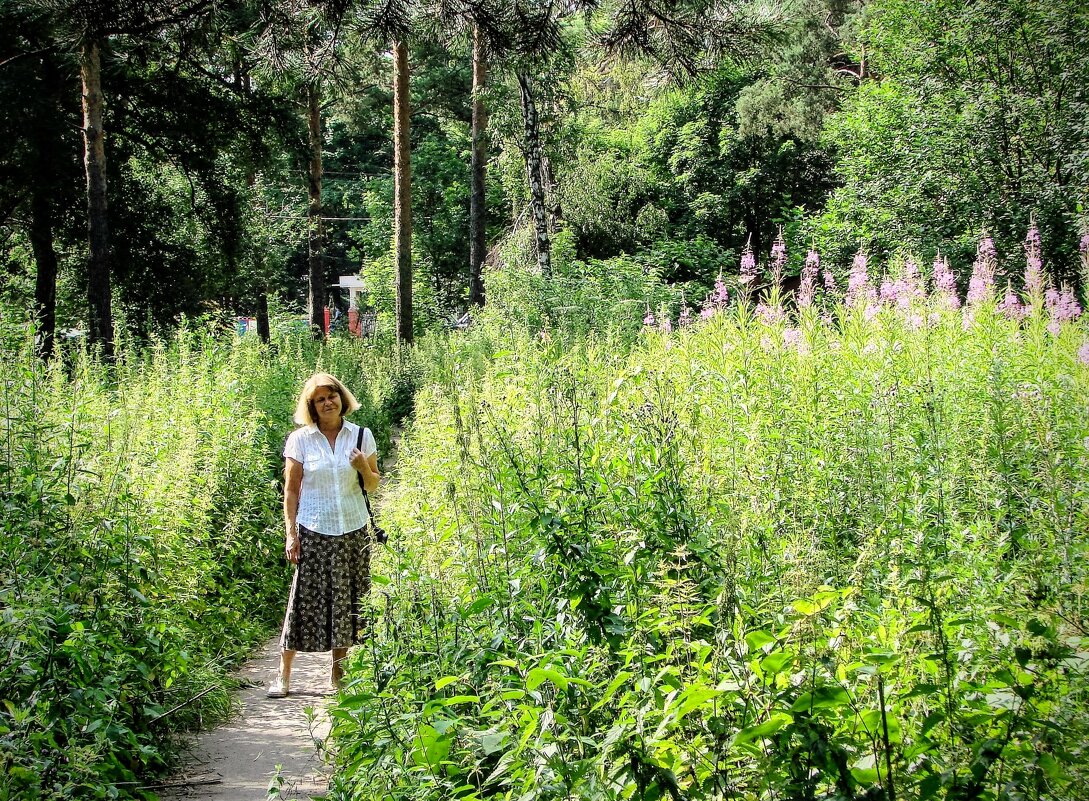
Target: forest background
point(582, 179)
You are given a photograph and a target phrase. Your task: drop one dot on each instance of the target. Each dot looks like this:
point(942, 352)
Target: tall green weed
point(142, 550)
point(741, 560)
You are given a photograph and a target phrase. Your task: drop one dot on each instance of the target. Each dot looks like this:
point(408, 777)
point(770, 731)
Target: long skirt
point(332, 578)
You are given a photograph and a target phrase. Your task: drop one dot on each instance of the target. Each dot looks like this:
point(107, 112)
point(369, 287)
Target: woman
point(326, 520)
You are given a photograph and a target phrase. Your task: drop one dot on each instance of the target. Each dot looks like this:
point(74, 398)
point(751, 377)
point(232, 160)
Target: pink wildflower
point(1034, 264)
point(1062, 307)
point(685, 317)
point(1011, 305)
point(894, 292)
point(981, 284)
point(769, 314)
point(778, 257)
point(912, 285)
point(858, 283)
point(649, 320)
point(716, 299)
point(808, 283)
point(829, 281)
point(1083, 353)
point(666, 325)
point(945, 283)
point(748, 266)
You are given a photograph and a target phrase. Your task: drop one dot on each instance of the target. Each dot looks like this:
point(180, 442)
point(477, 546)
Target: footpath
point(274, 748)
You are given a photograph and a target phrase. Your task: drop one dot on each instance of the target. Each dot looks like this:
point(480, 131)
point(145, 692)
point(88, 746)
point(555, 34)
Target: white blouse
point(330, 500)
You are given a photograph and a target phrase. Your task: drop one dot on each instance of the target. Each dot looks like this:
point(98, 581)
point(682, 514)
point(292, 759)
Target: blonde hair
point(305, 414)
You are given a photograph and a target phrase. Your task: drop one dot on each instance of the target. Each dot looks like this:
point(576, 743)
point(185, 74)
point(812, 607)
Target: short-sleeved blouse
point(330, 501)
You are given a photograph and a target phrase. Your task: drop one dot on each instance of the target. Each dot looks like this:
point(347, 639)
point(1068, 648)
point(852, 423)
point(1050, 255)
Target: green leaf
point(459, 699)
point(776, 661)
point(758, 639)
point(805, 608)
point(446, 681)
point(610, 691)
point(765, 729)
point(477, 606)
point(536, 677)
point(830, 697)
point(493, 741)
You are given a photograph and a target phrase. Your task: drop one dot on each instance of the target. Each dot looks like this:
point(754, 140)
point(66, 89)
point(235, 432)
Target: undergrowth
point(842, 557)
point(142, 550)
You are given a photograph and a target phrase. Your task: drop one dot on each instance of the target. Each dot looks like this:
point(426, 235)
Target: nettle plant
point(836, 552)
point(142, 531)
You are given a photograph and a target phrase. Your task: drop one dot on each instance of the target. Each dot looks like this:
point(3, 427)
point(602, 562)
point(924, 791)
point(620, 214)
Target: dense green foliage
point(829, 553)
point(143, 547)
point(740, 560)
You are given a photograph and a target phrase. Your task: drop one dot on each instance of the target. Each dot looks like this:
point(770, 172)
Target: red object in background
point(353, 322)
point(326, 328)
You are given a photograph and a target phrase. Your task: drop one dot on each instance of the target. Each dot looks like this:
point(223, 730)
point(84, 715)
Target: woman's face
point(327, 404)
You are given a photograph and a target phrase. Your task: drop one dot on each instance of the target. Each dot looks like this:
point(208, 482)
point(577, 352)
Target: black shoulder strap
point(366, 497)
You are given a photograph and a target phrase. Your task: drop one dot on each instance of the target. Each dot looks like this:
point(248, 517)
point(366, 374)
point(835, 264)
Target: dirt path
point(273, 743)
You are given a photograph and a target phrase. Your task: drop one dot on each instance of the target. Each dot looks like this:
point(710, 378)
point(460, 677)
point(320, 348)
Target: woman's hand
point(367, 467)
point(292, 547)
point(357, 460)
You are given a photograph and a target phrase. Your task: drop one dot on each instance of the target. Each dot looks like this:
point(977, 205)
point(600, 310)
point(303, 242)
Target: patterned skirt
point(332, 578)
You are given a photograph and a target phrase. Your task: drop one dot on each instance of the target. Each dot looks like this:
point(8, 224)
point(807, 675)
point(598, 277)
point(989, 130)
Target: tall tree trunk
point(316, 227)
point(478, 208)
point(45, 257)
point(535, 173)
point(402, 193)
point(99, 317)
point(263, 329)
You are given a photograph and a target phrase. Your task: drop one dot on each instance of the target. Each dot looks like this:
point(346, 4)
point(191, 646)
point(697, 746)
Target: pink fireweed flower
point(685, 317)
point(1011, 305)
point(1034, 263)
point(770, 314)
point(858, 282)
point(808, 284)
point(649, 320)
point(778, 257)
point(1062, 307)
point(829, 282)
point(1083, 355)
point(981, 284)
point(666, 325)
point(895, 292)
point(748, 266)
point(720, 296)
point(716, 299)
point(945, 283)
